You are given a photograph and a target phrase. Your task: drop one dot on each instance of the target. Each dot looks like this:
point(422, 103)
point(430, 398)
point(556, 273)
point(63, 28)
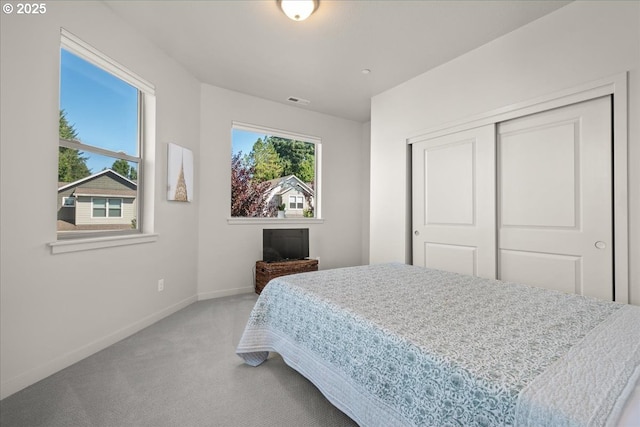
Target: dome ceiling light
point(298, 10)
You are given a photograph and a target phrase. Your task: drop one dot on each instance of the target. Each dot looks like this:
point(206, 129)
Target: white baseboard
point(225, 293)
point(34, 375)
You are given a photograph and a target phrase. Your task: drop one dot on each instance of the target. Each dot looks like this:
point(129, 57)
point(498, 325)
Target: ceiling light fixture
point(298, 10)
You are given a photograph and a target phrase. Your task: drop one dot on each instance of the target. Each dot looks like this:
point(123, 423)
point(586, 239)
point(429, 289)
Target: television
point(285, 244)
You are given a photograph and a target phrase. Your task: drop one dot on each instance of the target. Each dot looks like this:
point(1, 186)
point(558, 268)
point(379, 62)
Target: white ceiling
point(250, 46)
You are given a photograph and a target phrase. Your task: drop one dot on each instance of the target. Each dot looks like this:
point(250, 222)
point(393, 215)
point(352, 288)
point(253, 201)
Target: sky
point(243, 140)
point(102, 108)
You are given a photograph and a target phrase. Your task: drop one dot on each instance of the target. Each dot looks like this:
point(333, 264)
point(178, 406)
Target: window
point(273, 169)
point(99, 208)
point(296, 202)
point(114, 208)
point(101, 143)
point(68, 202)
point(106, 208)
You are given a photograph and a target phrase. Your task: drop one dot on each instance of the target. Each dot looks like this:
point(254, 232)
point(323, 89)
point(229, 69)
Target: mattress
point(393, 344)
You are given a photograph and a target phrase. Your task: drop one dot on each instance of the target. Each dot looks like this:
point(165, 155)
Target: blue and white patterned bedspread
point(393, 344)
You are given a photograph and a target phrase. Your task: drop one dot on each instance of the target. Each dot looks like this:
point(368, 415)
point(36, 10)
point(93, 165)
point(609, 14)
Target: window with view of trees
point(273, 171)
point(100, 143)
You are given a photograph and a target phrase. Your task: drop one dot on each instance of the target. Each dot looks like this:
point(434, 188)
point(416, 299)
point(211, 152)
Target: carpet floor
point(181, 371)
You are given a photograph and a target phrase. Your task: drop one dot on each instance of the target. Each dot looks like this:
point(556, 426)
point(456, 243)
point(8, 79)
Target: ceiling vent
point(299, 101)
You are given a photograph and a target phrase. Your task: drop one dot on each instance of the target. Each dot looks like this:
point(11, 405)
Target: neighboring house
point(295, 194)
point(104, 200)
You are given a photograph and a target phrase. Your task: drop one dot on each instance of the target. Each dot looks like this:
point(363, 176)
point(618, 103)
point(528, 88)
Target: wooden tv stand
point(266, 271)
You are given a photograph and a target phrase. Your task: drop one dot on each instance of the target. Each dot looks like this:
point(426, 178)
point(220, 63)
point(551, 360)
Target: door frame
point(616, 86)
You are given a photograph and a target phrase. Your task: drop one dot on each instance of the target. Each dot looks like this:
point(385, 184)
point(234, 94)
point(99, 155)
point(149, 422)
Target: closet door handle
point(600, 244)
point(417, 233)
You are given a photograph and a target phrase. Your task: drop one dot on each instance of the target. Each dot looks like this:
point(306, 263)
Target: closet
point(528, 200)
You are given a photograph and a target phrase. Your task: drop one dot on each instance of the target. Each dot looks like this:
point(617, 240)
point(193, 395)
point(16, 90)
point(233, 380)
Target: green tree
point(297, 157)
point(307, 169)
point(125, 169)
point(72, 164)
point(265, 161)
point(66, 130)
point(274, 157)
point(122, 167)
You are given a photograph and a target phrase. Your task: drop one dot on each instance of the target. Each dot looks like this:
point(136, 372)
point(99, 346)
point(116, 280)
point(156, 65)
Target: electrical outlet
point(160, 285)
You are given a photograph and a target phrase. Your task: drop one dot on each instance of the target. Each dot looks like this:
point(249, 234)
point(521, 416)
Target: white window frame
point(318, 174)
point(80, 241)
point(295, 202)
point(64, 202)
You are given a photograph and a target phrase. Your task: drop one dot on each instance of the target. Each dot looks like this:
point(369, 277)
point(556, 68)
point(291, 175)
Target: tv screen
point(285, 244)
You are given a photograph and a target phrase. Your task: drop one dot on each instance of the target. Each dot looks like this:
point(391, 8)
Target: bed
point(399, 345)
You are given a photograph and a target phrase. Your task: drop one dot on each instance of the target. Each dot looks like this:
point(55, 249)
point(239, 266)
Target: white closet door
point(555, 199)
point(454, 202)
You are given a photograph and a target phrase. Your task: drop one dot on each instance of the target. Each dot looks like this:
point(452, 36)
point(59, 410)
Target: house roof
point(290, 182)
point(66, 186)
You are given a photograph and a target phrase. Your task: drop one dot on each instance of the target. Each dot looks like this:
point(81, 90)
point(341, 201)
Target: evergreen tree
point(297, 157)
point(274, 157)
point(307, 171)
point(265, 161)
point(123, 167)
point(66, 130)
point(72, 164)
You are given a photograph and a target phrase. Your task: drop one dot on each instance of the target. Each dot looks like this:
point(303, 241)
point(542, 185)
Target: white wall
point(580, 43)
point(366, 189)
point(227, 252)
point(57, 309)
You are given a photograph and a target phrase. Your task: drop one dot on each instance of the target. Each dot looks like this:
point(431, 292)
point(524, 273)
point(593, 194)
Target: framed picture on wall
point(179, 173)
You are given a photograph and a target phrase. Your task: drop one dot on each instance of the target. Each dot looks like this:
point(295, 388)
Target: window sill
point(263, 221)
point(76, 245)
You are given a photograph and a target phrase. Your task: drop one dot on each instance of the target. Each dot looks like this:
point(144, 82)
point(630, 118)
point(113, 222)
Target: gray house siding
point(294, 212)
point(66, 213)
point(106, 186)
point(84, 209)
